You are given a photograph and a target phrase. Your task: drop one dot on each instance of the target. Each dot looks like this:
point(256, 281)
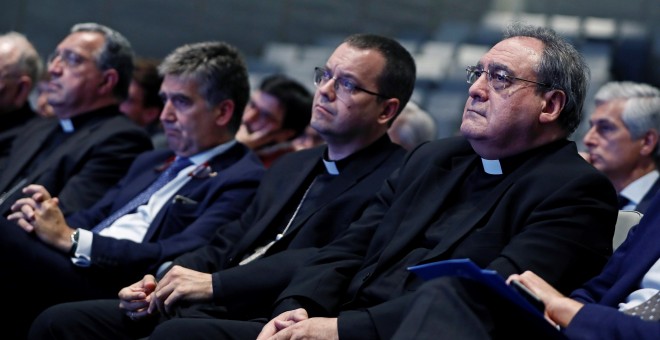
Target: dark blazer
point(250, 289)
point(600, 317)
point(12, 123)
point(178, 227)
point(84, 166)
point(554, 214)
point(648, 197)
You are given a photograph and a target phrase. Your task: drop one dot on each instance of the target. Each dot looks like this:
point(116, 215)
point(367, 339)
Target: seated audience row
point(512, 194)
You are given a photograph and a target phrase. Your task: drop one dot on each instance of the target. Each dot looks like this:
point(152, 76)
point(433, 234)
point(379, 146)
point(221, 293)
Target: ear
point(553, 104)
point(23, 90)
point(109, 81)
point(649, 142)
point(390, 108)
point(223, 112)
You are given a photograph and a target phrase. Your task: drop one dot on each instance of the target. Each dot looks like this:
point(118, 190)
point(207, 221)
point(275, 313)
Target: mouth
point(323, 110)
point(471, 111)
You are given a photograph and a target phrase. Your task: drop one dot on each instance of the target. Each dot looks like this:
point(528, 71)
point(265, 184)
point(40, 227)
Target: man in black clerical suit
point(622, 141)
point(20, 68)
point(83, 151)
point(308, 197)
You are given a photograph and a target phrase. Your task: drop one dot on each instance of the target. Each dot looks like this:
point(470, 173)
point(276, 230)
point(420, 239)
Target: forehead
point(521, 55)
point(83, 42)
point(265, 100)
point(179, 84)
point(611, 109)
point(364, 64)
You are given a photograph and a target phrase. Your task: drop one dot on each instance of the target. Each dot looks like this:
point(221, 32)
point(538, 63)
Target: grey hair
point(641, 111)
point(220, 70)
point(116, 54)
point(28, 62)
point(561, 66)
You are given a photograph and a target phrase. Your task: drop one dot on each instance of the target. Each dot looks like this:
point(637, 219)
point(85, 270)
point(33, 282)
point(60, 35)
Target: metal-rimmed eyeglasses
point(70, 58)
point(344, 87)
point(497, 79)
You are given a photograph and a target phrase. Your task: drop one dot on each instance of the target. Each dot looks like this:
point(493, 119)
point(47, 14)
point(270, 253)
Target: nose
point(250, 114)
point(479, 89)
point(55, 66)
point(589, 138)
point(167, 114)
point(328, 91)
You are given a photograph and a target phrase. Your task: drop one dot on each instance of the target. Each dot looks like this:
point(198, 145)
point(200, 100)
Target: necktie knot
point(623, 201)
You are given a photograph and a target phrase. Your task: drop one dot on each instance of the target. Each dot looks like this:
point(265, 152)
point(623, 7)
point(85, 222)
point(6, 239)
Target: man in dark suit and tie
point(622, 141)
point(20, 69)
point(306, 200)
point(95, 252)
point(83, 151)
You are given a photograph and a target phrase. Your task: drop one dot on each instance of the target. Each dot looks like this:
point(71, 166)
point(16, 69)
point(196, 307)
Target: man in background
point(622, 141)
point(277, 113)
point(83, 151)
point(20, 67)
point(143, 104)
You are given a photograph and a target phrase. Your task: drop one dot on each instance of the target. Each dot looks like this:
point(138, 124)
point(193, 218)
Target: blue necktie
point(144, 196)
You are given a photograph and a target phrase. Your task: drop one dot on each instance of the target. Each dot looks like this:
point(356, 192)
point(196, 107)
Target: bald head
point(20, 68)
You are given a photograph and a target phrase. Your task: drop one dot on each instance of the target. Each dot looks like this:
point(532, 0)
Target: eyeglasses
point(70, 58)
point(497, 79)
point(344, 87)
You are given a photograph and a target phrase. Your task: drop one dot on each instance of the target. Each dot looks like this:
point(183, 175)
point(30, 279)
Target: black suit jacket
point(554, 214)
point(12, 123)
point(249, 290)
point(49, 277)
point(81, 169)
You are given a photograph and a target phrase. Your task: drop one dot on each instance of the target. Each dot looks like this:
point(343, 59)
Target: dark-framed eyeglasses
point(497, 79)
point(344, 87)
point(70, 58)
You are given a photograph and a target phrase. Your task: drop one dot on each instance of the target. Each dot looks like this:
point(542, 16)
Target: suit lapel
point(644, 204)
point(26, 152)
point(434, 190)
point(297, 177)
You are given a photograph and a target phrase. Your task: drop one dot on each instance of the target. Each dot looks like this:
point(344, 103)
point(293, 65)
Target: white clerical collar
point(67, 125)
point(492, 166)
point(331, 167)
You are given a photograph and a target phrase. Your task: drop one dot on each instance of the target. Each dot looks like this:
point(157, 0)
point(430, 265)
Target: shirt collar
point(492, 166)
point(636, 190)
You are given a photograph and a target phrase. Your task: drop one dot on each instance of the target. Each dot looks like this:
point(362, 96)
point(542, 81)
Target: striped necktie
point(164, 178)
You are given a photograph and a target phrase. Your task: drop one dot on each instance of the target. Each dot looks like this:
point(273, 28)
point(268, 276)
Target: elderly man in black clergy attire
point(83, 151)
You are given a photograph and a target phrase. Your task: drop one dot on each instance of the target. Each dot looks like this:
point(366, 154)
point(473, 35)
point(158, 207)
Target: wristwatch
point(74, 242)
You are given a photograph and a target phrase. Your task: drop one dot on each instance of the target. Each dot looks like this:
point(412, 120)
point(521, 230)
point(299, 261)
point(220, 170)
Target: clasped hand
point(296, 324)
point(40, 213)
point(147, 296)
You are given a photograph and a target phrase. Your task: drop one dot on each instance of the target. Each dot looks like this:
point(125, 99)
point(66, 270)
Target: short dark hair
point(561, 66)
point(399, 74)
point(294, 97)
point(116, 54)
point(145, 74)
point(220, 70)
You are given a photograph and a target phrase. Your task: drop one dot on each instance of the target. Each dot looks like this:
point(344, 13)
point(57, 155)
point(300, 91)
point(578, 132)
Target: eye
point(326, 75)
point(347, 84)
point(477, 73)
point(500, 76)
